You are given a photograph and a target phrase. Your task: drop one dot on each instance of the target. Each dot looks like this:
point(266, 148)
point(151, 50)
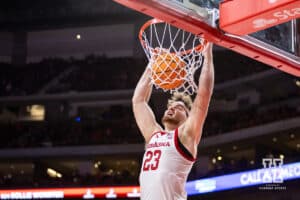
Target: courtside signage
point(245, 179)
point(61, 193)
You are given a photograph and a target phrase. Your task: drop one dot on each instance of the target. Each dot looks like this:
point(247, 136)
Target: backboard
point(249, 30)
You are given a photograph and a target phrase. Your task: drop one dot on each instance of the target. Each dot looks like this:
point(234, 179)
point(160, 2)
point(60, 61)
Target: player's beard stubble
point(170, 120)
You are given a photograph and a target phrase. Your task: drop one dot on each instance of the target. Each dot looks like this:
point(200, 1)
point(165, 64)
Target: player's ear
point(187, 112)
point(169, 102)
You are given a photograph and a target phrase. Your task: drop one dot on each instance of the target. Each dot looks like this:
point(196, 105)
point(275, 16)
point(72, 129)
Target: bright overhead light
point(297, 83)
point(97, 164)
point(54, 174)
point(281, 156)
point(78, 36)
point(214, 160)
point(51, 172)
point(37, 112)
point(110, 172)
point(219, 157)
point(58, 175)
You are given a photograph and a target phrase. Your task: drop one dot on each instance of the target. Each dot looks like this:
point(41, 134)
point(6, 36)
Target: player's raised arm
point(194, 124)
point(143, 114)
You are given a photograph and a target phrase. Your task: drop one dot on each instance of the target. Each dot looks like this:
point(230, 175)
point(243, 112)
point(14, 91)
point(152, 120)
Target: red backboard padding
point(242, 17)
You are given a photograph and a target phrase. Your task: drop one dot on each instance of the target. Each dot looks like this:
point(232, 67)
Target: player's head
point(178, 109)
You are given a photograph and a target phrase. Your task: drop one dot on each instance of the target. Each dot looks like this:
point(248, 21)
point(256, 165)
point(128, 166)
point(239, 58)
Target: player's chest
point(161, 140)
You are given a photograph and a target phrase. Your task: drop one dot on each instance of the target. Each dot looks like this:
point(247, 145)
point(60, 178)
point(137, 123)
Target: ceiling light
point(297, 83)
point(78, 36)
point(281, 156)
point(51, 172)
point(54, 174)
point(219, 157)
point(214, 160)
point(58, 175)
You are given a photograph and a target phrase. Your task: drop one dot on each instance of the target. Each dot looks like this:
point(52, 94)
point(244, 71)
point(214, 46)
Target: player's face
point(176, 113)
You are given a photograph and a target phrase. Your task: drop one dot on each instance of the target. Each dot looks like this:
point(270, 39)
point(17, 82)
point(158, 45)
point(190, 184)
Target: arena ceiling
point(53, 14)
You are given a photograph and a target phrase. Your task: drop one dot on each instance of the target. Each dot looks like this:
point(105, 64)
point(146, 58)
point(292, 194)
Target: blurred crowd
point(104, 176)
point(117, 126)
point(94, 73)
point(218, 123)
point(231, 66)
point(114, 126)
point(98, 73)
point(29, 79)
point(38, 180)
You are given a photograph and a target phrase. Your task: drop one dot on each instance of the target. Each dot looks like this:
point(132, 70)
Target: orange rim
point(199, 47)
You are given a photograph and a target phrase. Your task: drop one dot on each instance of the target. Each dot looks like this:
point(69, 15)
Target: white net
point(174, 56)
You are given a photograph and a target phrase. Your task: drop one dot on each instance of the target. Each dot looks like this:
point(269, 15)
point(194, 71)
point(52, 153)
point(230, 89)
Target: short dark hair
point(179, 96)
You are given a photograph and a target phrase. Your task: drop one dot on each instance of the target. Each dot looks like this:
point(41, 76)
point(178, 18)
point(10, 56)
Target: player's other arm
point(143, 114)
point(194, 124)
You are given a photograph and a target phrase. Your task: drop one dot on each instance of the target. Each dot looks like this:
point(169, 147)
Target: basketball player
point(171, 152)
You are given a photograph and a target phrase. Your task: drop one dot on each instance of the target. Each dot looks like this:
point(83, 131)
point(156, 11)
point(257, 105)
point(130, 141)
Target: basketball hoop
point(174, 55)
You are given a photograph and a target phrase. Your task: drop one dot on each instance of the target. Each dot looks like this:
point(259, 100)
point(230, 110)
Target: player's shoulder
point(153, 133)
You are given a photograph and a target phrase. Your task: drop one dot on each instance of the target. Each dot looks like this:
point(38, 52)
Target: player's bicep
point(145, 120)
point(194, 124)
